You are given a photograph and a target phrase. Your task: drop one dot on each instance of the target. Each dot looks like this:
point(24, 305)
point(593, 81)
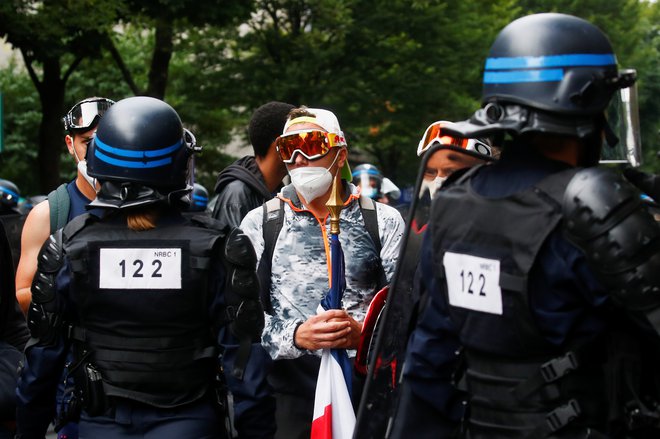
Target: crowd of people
point(518, 293)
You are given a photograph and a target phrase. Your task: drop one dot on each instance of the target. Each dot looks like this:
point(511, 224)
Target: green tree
point(53, 37)
point(166, 22)
point(387, 68)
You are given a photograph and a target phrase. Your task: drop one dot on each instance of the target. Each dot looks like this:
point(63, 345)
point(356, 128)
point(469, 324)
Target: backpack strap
point(370, 217)
point(59, 204)
point(273, 219)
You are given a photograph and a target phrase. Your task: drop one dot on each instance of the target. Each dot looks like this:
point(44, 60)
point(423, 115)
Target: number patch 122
point(473, 282)
point(140, 268)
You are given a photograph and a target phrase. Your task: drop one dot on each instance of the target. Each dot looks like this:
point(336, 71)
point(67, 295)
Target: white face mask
point(311, 181)
point(432, 185)
point(82, 168)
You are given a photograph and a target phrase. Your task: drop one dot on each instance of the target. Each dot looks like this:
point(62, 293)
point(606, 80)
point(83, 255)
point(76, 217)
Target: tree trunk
point(51, 95)
point(160, 61)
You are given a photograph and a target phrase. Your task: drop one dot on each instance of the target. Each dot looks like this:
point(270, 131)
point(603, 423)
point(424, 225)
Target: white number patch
point(473, 282)
point(140, 268)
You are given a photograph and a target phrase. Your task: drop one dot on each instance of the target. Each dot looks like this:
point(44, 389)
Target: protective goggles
point(86, 114)
point(436, 133)
point(312, 144)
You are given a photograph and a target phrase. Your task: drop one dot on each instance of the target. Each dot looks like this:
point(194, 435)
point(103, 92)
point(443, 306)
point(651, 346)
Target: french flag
point(334, 417)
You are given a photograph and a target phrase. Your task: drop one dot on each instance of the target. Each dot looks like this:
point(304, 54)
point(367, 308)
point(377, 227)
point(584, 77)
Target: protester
point(13, 336)
point(453, 154)
point(140, 296)
point(250, 181)
point(62, 205)
point(67, 201)
point(520, 288)
point(290, 235)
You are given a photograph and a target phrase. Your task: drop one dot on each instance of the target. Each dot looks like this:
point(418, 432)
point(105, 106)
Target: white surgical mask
point(432, 185)
point(311, 181)
point(82, 168)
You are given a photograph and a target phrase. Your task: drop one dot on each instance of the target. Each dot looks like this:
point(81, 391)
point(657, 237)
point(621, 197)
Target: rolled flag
point(334, 417)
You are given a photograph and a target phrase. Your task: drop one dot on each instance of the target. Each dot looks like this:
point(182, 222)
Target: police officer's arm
point(244, 360)
point(430, 405)
point(35, 232)
point(46, 351)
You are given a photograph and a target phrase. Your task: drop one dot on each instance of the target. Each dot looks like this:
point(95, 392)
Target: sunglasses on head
point(86, 114)
point(312, 144)
point(436, 133)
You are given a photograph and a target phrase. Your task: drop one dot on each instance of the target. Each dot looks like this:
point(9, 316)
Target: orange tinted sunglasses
point(312, 144)
point(435, 133)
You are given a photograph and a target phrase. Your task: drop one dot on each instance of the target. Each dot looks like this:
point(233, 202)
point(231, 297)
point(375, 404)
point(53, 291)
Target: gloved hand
point(647, 183)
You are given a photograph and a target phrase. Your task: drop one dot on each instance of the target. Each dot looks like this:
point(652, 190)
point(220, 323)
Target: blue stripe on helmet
point(549, 75)
point(136, 154)
point(9, 191)
point(130, 164)
point(569, 60)
point(366, 171)
point(200, 197)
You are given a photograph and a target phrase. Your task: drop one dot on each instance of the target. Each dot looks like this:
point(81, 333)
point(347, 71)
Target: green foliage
point(22, 114)
point(387, 68)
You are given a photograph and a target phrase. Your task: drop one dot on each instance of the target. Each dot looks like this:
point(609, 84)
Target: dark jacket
point(13, 332)
point(240, 188)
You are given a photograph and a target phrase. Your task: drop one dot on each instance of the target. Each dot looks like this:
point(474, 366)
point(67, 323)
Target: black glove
point(648, 183)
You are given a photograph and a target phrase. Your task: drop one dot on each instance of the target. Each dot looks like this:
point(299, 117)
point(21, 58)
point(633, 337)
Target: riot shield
point(393, 322)
point(623, 117)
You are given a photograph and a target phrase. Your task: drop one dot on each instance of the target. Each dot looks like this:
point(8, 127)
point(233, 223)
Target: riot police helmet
point(369, 178)
point(199, 199)
point(549, 73)
point(141, 154)
point(9, 195)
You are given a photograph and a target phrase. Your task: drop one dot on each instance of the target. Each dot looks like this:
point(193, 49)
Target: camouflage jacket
point(300, 272)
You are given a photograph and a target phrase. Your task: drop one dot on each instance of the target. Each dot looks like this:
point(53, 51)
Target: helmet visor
point(623, 118)
point(436, 133)
point(86, 114)
point(312, 144)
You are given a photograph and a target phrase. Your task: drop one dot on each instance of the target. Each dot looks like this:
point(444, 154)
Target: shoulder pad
point(49, 262)
point(77, 224)
point(50, 258)
point(593, 196)
point(239, 250)
point(605, 218)
point(207, 222)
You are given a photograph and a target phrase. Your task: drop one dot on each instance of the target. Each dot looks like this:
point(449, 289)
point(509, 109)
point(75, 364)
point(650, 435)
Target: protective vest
point(143, 305)
point(520, 385)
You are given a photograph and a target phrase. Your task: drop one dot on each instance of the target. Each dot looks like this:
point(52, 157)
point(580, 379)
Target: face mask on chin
point(312, 181)
point(82, 169)
point(432, 185)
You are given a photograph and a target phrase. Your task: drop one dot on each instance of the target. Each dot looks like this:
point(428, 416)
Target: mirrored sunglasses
point(312, 144)
point(86, 114)
point(436, 133)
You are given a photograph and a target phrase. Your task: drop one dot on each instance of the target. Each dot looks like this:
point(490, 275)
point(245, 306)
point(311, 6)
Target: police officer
point(11, 217)
point(526, 309)
point(141, 296)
